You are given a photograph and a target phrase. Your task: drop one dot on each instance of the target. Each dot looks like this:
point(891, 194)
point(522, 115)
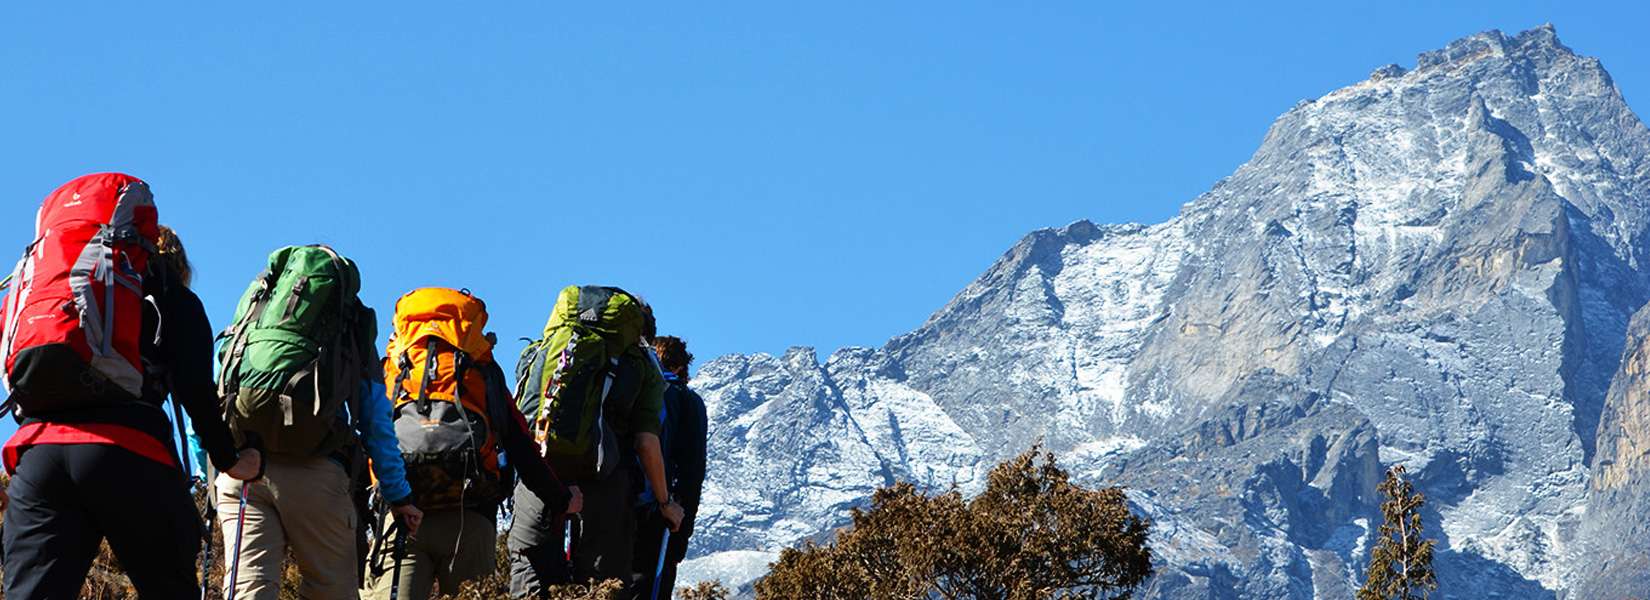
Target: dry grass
point(106, 581)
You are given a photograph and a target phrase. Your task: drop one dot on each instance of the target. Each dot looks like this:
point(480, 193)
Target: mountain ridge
point(1438, 262)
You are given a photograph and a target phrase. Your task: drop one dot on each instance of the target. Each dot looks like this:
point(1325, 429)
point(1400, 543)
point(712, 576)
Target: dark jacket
point(684, 438)
point(519, 447)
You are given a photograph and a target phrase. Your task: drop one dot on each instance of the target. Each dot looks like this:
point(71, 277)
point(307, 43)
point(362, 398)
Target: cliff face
point(1272, 497)
point(1433, 267)
point(1616, 528)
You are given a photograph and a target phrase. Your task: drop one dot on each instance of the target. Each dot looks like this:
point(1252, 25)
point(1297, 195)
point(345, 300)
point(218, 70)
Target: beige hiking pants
point(303, 505)
point(452, 546)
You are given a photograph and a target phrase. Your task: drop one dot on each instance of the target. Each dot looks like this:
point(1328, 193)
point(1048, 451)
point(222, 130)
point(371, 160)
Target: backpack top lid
point(317, 258)
point(613, 313)
point(94, 200)
point(454, 316)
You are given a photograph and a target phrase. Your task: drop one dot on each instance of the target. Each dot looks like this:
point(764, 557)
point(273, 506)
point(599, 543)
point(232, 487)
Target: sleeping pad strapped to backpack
point(439, 371)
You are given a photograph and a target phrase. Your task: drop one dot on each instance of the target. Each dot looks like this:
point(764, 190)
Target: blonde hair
point(169, 250)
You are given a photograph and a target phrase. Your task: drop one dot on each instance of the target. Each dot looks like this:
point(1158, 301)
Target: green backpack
point(564, 382)
point(296, 355)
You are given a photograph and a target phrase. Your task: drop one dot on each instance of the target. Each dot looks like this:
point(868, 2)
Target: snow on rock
point(1434, 266)
point(734, 569)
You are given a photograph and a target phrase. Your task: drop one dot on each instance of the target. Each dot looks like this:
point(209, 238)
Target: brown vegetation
point(106, 581)
point(1031, 535)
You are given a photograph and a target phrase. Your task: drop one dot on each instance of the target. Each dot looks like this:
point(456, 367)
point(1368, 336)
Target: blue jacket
point(377, 430)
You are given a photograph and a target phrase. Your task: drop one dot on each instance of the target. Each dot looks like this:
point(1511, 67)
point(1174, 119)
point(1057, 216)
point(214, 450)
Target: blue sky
point(766, 175)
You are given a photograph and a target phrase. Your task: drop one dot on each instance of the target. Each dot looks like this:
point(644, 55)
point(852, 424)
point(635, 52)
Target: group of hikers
point(379, 477)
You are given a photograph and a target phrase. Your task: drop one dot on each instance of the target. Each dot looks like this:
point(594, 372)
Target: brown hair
point(673, 355)
point(169, 251)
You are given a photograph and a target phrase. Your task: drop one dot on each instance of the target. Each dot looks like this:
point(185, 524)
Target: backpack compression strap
point(403, 364)
point(430, 365)
point(238, 338)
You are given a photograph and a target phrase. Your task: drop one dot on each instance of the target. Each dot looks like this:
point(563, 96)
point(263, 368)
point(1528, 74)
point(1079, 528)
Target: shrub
point(1032, 534)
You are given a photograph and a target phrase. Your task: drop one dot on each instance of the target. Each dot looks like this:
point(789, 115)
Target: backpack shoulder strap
point(358, 359)
point(236, 333)
point(499, 400)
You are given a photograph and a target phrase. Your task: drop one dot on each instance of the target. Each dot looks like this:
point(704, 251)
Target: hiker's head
point(673, 355)
point(650, 326)
point(169, 252)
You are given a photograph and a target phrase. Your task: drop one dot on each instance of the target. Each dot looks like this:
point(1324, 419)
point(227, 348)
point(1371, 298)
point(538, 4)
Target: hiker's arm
point(645, 425)
point(377, 429)
point(653, 465)
point(518, 445)
point(534, 473)
point(186, 342)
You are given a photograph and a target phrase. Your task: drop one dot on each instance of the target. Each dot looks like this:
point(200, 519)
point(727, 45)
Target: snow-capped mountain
point(1433, 267)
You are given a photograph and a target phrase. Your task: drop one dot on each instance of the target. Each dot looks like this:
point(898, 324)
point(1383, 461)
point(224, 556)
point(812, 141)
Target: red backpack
point(70, 325)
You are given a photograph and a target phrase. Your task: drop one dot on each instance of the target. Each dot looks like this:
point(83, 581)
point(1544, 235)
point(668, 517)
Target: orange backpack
point(437, 369)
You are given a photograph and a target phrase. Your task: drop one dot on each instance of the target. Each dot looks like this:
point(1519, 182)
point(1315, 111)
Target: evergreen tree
point(1400, 568)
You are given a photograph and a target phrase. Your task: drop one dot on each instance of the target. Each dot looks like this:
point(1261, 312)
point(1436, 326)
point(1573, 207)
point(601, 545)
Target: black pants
point(607, 535)
point(602, 543)
point(650, 530)
point(536, 544)
point(67, 498)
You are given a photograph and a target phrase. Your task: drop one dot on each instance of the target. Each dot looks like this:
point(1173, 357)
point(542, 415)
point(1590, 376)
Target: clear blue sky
point(766, 175)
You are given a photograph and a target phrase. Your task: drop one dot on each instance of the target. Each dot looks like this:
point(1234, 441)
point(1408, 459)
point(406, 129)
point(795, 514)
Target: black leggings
point(67, 498)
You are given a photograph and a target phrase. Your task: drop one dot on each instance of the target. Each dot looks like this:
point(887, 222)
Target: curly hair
point(673, 355)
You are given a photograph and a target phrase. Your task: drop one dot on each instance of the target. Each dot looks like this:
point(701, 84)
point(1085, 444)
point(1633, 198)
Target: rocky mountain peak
point(1541, 41)
point(1432, 267)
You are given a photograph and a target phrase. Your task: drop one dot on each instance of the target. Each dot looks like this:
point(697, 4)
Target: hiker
point(93, 457)
point(454, 414)
point(594, 390)
point(683, 441)
point(300, 371)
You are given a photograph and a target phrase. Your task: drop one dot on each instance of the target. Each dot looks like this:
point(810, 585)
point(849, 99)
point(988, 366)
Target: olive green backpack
point(296, 355)
point(564, 381)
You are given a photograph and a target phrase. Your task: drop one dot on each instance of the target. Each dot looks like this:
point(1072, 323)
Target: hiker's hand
point(409, 516)
point(575, 505)
point(673, 514)
point(248, 465)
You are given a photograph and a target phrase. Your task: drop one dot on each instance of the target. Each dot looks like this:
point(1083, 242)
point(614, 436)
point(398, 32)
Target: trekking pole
point(206, 549)
point(659, 570)
point(240, 530)
point(575, 529)
point(400, 553)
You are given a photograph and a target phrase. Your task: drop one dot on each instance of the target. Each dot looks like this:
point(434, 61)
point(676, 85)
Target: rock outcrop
point(1433, 267)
